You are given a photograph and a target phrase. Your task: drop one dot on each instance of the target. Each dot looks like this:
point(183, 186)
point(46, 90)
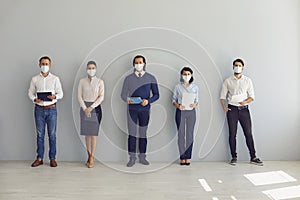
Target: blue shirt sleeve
point(175, 95)
point(197, 95)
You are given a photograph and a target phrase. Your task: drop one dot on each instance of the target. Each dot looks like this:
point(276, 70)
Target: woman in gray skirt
point(90, 97)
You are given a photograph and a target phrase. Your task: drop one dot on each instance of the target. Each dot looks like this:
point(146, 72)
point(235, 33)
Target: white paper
point(238, 98)
point(267, 178)
point(187, 100)
point(292, 192)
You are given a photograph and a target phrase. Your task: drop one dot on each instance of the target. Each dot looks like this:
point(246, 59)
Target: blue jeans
point(45, 117)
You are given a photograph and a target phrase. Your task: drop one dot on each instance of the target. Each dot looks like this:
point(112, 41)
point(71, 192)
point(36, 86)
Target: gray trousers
point(185, 121)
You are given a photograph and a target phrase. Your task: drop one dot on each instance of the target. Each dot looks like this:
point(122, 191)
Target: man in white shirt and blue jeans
point(239, 92)
point(45, 112)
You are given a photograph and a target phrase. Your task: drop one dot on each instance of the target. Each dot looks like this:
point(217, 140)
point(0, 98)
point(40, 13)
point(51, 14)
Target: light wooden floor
point(72, 181)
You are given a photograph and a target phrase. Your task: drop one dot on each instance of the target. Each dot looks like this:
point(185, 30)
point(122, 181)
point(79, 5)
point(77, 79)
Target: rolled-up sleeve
point(250, 90)
point(32, 90)
point(224, 91)
point(58, 89)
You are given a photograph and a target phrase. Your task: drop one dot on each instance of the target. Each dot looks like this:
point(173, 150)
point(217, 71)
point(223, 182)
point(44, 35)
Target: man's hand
point(36, 100)
point(226, 109)
point(130, 101)
point(53, 96)
point(144, 102)
point(242, 103)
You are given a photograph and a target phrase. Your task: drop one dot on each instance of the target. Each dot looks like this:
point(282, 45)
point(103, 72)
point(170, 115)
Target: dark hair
point(189, 70)
point(91, 63)
point(139, 56)
point(44, 57)
point(238, 60)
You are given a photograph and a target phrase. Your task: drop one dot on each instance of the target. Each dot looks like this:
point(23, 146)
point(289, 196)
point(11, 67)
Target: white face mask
point(238, 69)
point(45, 68)
point(186, 78)
point(91, 72)
point(139, 67)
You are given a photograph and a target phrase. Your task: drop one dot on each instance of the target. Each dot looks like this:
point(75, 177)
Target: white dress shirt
point(50, 83)
point(236, 90)
point(90, 91)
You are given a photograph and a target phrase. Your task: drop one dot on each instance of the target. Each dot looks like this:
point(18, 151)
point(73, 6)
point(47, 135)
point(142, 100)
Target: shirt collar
point(137, 73)
point(45, 76)
point(187, 86)
point(235, 78)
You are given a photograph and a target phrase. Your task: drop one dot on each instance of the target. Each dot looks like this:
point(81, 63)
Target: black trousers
point(138, 121)
point(240, 114)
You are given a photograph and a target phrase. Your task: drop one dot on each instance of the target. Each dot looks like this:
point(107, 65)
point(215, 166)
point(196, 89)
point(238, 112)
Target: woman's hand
point(193, 105)
point(181, 107)
point(88, 111)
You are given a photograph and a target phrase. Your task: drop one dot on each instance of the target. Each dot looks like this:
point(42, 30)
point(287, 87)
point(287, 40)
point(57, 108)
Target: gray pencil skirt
point(89, 126)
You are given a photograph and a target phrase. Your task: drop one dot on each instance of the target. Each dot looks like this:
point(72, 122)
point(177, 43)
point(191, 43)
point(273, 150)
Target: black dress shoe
point(37, 162)
point(144, 161)
point(130, 163)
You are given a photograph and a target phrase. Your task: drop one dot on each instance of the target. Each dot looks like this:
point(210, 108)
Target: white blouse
point(90, 90)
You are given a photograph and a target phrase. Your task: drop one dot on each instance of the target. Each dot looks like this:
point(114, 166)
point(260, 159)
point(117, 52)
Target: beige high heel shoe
point(90, 162)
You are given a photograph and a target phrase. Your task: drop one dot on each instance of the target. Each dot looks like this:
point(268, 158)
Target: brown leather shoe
point(37, 162)
point(53, 163)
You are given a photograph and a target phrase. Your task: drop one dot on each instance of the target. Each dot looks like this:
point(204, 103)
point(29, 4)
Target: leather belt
point(46, 107)
point(238, 107)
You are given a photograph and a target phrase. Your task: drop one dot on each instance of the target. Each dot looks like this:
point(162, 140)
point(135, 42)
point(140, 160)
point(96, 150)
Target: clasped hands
point(88, 111)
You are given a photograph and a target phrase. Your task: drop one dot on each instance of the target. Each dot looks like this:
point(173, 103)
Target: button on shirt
point(234, 88)
point(90, 91)
point(180, 89)
point(50, 83)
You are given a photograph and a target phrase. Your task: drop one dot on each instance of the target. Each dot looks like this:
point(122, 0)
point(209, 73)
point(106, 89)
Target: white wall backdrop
point(207, 35)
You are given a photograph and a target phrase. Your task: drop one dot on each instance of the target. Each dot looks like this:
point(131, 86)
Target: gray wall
point(207, 35)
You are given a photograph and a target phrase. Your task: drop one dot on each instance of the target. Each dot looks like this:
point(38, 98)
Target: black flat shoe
point(182, 163)
point(188, 164)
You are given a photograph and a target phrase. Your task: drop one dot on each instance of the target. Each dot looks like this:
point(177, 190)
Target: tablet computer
point(44, 96)
point(135, 100)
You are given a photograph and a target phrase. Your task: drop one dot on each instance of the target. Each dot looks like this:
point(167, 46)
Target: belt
point(238, 107)
point(46, 107)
